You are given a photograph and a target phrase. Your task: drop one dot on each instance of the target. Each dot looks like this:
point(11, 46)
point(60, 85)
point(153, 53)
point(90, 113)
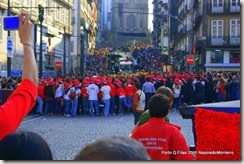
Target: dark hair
point(138, 85)
point(158, 105)
point(114, 148)
point(24, 146)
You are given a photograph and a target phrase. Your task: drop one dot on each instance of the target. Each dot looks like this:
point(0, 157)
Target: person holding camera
point(23, 99)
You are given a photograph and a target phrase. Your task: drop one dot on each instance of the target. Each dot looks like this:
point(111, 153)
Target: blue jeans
point(39, 104)
point(122, 100)
point(129, 102)
point(112, 105)
point(67, 106)
point(147, 97)
point(74, 105)
point(238, 93)
point(95, 102)
point(49, 106)
point(85, 105)
point(57, 108)
point(220, 97)
point(136, 116)
point(106, 107)
point(177, 102)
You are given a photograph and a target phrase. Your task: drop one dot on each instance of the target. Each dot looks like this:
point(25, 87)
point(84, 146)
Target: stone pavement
point(67, 135)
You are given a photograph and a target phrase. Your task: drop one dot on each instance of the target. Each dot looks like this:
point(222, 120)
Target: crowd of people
point(109, 95)
point(148, 95)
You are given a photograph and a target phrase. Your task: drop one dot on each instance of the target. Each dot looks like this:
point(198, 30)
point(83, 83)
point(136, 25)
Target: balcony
point(180, 34)
point(235, 9)
point(225, 9)
point(226, 41)
point(198, 21)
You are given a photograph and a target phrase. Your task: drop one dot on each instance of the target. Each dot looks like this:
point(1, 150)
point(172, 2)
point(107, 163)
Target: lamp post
point(64, 54)
point(9, 58)
point(81, 53)
point(41, 18)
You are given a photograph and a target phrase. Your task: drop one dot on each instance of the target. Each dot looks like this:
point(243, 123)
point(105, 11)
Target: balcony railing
point(226, 8)
point(224, 41)
point(180, 33)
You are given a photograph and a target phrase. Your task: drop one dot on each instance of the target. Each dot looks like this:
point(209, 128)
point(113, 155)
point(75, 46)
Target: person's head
point(167, 92)
point(24, 146)
point(113, 148)
point(137, 85)
point(159, 106)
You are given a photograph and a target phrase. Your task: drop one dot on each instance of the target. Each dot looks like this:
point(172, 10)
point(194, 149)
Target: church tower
point(129, 17)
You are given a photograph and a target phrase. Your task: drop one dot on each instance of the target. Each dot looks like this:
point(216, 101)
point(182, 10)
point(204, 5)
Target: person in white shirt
point(67, 100)
point(74, 102)
point(92, 91)
point(105, 97)
point(58, 98)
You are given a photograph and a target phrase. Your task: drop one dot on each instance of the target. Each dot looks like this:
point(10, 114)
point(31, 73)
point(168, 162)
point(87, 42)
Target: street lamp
point(82, 53)
point(41, 18)
point(64, 54)
point(9, 58)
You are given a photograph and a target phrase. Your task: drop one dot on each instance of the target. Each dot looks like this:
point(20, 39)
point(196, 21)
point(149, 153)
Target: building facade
point(68, 34)
point(56, 31)
point(83, 40)
point(223, 40)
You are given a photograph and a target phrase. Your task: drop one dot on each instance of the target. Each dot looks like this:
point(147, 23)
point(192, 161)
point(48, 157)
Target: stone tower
point(132, 19)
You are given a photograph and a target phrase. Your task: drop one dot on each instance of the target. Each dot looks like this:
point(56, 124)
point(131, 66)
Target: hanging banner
point(10, 47)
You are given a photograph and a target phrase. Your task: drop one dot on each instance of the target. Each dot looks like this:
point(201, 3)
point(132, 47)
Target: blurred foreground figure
point(24, 146)
point(113, 148)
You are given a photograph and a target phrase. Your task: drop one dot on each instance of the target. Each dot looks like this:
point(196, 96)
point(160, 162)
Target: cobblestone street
point(67, 135)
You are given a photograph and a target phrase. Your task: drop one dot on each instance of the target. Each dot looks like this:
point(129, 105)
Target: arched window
point(131, 21)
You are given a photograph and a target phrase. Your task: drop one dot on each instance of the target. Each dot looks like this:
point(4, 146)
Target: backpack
point(72, 94)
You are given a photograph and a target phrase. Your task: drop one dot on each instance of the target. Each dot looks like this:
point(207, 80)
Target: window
point(131, 21)
point(235, 3)
point(235, 57)
point(217, 56)
point(217, 28)
point(141, 23)
point(235, 31)
point(235, 28)
point(217, 3)
point(217, 6)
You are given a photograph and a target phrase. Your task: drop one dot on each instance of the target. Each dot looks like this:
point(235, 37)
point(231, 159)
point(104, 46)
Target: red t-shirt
point(112, 92)
point(20, 103)
point(162, 140)
point(129, 90)
point(40, 91)
point(83, 92)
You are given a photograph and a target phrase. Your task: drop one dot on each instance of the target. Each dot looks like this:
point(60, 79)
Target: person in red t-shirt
point(112, 95)
point(122, 98)
point(162, 140)
point(23, 99)
point(221, 88)
point(129, 92)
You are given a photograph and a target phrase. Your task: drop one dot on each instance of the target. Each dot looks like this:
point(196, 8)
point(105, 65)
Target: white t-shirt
point(92, 91)
point(106, 92)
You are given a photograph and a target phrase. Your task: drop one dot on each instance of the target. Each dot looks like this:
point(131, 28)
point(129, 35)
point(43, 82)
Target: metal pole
point(9, 58)
point(64, 54)
point(41, 18)
point(35, 38)
point(81, 55)
point(40, 50)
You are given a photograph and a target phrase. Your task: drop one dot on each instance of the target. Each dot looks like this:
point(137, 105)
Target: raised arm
point(25, 34)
